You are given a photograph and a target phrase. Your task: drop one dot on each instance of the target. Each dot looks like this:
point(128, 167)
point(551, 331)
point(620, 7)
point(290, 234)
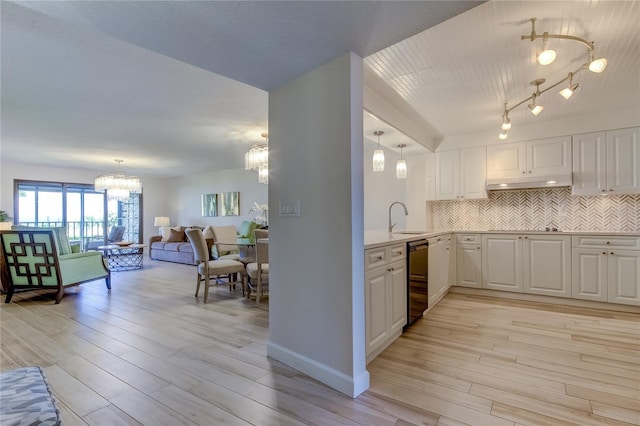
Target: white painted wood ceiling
point(179, 87)
point(458, 74)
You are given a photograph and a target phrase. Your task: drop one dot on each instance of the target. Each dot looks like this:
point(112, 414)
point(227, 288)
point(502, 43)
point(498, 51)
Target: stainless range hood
point(528, 182)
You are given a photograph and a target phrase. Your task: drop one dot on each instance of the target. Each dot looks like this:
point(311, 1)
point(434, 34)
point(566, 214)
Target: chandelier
point(118, 185)
point(257, 159)
point(546, 57)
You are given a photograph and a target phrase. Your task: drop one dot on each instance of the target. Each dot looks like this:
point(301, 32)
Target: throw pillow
point(175, 236)
point(165, 231)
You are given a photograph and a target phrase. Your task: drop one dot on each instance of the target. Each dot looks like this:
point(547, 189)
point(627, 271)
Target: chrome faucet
point(406, 213)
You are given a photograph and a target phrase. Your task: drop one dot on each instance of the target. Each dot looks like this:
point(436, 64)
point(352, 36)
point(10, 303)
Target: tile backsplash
point(540, 208)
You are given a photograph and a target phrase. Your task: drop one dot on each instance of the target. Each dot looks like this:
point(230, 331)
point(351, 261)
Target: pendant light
point(401, 165)
point(378, 154)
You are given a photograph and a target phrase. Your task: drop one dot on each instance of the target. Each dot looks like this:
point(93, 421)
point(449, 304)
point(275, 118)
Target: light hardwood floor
point(150, 353)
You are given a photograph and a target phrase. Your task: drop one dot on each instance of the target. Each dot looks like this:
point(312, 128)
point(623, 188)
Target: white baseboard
point(547, 299)
point(350, 386)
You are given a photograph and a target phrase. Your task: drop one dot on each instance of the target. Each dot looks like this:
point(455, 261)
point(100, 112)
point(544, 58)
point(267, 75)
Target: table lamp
point(161, 221)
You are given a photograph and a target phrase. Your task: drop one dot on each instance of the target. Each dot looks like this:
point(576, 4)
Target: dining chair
point(212, 268)
point(224, 238)
point(258, 271)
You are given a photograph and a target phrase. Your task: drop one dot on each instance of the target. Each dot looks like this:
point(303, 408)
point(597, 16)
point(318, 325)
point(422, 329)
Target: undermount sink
point(409, 232)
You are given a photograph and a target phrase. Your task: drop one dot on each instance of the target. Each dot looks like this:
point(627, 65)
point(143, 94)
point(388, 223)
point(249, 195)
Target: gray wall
point(316, 304)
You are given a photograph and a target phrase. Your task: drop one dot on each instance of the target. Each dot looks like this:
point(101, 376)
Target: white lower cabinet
point(385, 297)
point(502, 262)
point(469, 260)
point(439, 268)
point(606, 269)
point(536, 264)
point(547, 265)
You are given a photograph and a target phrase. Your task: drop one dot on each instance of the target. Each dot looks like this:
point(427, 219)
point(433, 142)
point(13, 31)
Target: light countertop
point(377, 238)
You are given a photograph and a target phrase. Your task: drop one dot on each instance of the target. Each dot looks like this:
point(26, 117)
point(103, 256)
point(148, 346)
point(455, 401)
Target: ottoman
point(25, 399)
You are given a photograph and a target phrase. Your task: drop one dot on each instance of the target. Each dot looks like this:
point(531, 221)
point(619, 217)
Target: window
point(85, 213)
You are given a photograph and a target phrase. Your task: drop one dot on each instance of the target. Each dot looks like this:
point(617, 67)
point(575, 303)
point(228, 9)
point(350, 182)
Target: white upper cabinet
point(589, 164)
point(623, 161)
point(607, 162)
point(461, 174)
point(543, 157)
point(473, 172)
point(506, 160)
point(547, 157)
point(448, 175)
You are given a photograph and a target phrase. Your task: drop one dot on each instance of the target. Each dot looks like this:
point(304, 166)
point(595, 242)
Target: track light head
point(503, 135)
point(506, 123)
point(568, 91)
point(535, 109)
point(597, 65)
point(547, 56)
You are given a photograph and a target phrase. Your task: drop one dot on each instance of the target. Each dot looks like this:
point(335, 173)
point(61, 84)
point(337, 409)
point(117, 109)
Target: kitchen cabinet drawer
point(469, 238)
point(396, 252)
point(606, 242)
point(375, 257)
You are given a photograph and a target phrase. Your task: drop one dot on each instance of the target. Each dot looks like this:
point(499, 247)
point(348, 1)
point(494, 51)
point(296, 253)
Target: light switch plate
point(290, 208)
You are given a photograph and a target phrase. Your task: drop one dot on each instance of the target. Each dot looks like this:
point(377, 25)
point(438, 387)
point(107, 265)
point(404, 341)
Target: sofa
point(173, 246)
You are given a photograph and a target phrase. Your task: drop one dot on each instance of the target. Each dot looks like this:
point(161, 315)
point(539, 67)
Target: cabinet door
point(447, 175)
point(547, 265)
point(397, 285)
point(473, 172)
point(623, 273)
point(438, 269)
point(589, 164)
point(589, 274)
point(502, 262)
point(452, 273)
point(506, 160)
point(376, 310)
point(469, 267)
point(623, 161)
point(550, 156)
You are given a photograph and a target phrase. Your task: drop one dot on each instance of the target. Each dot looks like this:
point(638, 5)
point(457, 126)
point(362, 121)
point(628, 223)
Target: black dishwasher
point(417, 280)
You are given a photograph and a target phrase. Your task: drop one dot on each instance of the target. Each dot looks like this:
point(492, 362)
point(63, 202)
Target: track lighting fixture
point(546, 57)
point(401, 165)
point(568, 91)
point(378, 154)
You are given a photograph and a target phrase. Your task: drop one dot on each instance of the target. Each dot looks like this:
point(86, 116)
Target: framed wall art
point(209, 204)
point(230, 204)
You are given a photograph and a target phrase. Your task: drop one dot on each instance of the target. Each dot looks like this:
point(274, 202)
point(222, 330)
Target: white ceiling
point(458, 74)
point(180, 87)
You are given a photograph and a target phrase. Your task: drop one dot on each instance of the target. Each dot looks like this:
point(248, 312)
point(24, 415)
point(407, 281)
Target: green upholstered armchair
point(42, 259)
